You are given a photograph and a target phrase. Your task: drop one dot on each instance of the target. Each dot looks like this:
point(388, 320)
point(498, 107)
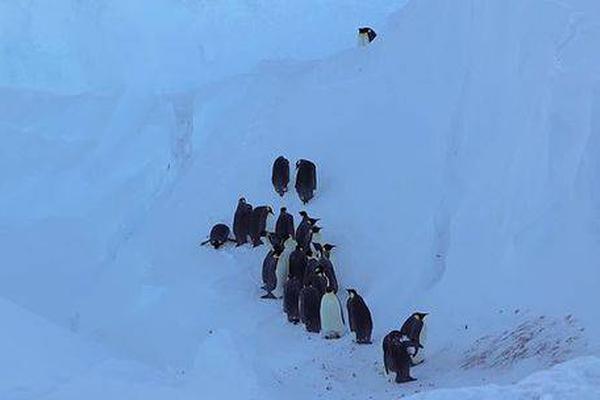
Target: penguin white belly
point(283, 267)
point(363, 39)
point(331, 316)
point(420, 357)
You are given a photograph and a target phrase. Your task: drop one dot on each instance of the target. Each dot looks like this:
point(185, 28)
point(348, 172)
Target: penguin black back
point(219, 235)
point(258, 225)
point(396, 356)
point(280, 176)
point(291, 294)
point(310, 308)
point(242, 221)
point(306, 180)
point(284, 227)
point(359, 317)
point(269, 274)
point(297, 263)
point(413, 326)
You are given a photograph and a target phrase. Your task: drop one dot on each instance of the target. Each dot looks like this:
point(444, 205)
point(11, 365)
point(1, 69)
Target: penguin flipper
point(205, 242)
point(268, 296)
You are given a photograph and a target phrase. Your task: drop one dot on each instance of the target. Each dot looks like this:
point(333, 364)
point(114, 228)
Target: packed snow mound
point(458, 174)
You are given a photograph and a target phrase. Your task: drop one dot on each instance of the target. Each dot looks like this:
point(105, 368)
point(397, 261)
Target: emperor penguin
point(282, 270)
point(297, 263)
point(309, 303)
point(365, 36)
point(280, 176)
point(415, 329)
point(304, 232)
point(219, 235)
point(291, 295)
point(269, 273)
point(397, 353)
point(332, 316)
point(241, 221)
point(306, 180)
point(284, 227)
point(258, 224)
point(359, 317)
point(327, 266)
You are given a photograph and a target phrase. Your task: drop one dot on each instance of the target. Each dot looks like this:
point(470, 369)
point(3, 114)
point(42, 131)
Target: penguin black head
point(316, 229)
point(270, 210)
point(328, 247)
point(420, 316)
point(329, 289)
point(318, 247)
point(303, 214)
point(351, 292)
point(242, 200)
point(283, 210)
point(309, 253)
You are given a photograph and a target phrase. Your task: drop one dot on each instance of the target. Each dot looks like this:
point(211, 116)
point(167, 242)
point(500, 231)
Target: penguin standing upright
point(280, 176)
point(309, 303)
point(219, 235)
point(365, 36)
point(327, 266)
point(269, 274)
point(304, 232)
point(397, 352)
point(359, 317)
point(284, 227)
point(306, 180)
point(291, 294)
point(297, 263)
point(414, 328)
point(258, 224)
point(283, 265)
point(241, 221)
point(332, 316)
point(318, 280)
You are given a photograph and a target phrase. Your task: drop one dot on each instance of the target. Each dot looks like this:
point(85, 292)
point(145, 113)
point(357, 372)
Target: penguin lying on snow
point(258, 224)
point(359, 317)
point(280, 176)
point(397, 353)
point(332, 316)
point(219, 235)
point(241, 221)
point(414, 329)
point(306, 180)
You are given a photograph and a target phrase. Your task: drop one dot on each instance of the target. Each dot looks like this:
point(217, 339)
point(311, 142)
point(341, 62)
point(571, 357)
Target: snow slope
point(458, 175)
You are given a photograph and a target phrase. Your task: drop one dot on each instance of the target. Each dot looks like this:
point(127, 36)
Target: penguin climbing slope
point(359, 317)
point(284, 227)
point(280, 176)
point(241, 221)
point(414, 328)
point(306, 180)
point(397, 352)
point(219, 235)
point(332, 316)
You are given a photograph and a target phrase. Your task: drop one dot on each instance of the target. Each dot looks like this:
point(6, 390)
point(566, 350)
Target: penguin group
point(298, 268)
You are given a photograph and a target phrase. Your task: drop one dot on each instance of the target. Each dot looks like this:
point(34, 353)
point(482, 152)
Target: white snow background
point(459, 174)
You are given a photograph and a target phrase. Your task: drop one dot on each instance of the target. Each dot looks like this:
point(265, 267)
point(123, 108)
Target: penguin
point(366, 35)
point(306, 180)
point(332, 316)
point(397, 352)
point(304, 232)
point(318, 280)
point(284, 227)
point(297, 263)
point(327, 266)
point(282, 270)
point(219, 235)
point(309, 303)
point(241, 221)
point(280, 176)
point(258, 224)
point(291, 294)
point(415, 329)
point(359, 317)
point(269, 274)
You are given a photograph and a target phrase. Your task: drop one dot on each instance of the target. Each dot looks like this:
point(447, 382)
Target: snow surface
point(458, 174)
